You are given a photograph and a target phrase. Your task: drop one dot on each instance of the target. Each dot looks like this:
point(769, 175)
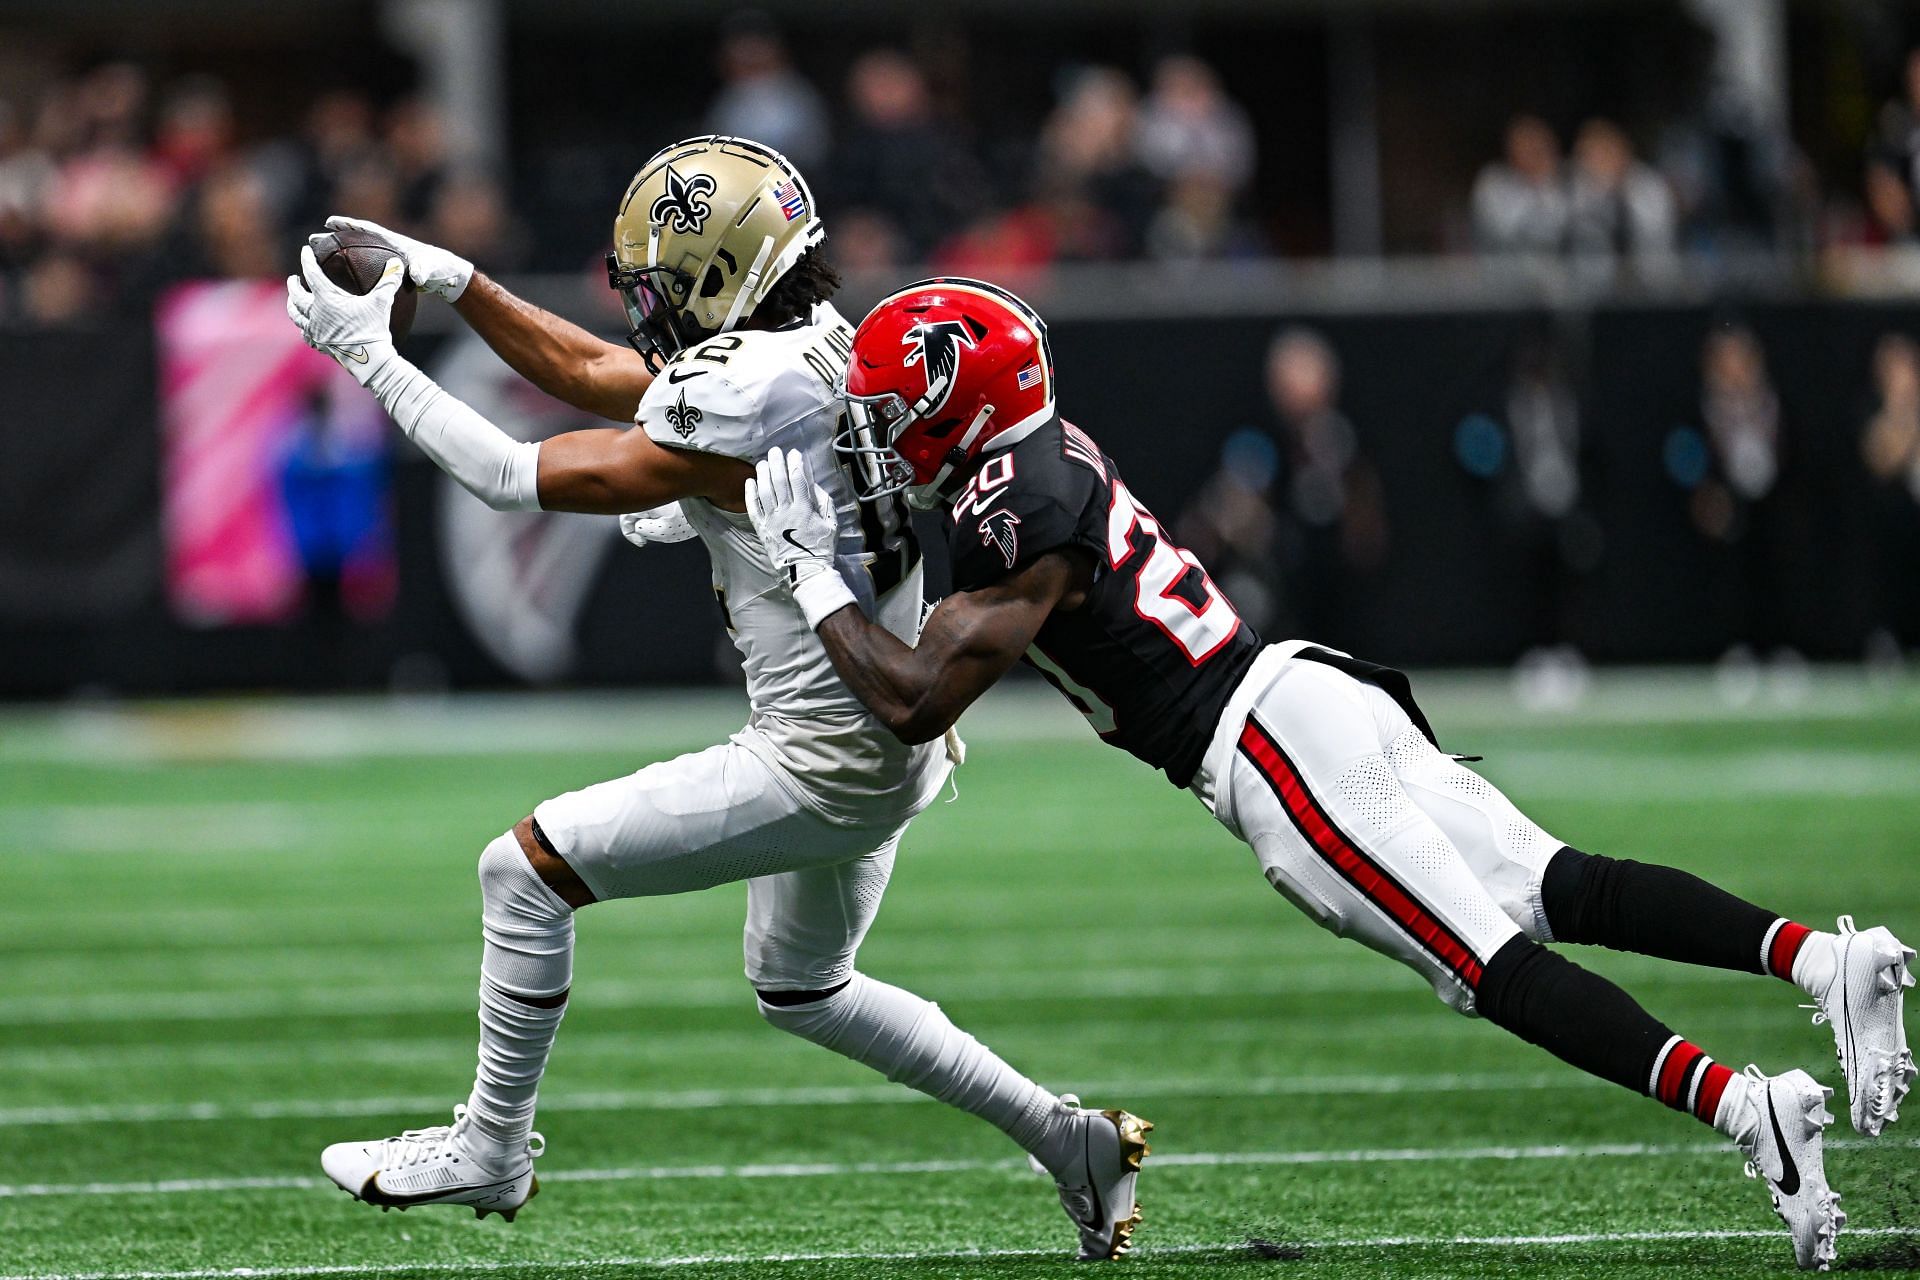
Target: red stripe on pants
point(1360, 870)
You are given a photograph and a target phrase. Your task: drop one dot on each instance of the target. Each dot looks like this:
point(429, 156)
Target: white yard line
point(801, 1096)
point(831, 1169)
point(1229, 1247)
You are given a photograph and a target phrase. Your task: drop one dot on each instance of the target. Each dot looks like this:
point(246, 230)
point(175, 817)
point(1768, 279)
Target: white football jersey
point(739, 395)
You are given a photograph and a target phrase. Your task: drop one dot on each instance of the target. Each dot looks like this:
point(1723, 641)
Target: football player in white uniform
point(736, 350)
point(1322, 763)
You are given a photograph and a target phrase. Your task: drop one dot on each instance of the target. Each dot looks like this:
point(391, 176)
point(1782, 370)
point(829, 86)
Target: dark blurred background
point(1541, 332)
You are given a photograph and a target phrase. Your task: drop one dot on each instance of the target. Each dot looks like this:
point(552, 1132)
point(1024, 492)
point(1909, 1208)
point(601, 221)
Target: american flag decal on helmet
point(1028, 377)
point(791, 203)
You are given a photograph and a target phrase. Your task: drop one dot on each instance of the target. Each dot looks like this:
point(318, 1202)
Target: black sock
point(1584, 1020)
point(1652, 911)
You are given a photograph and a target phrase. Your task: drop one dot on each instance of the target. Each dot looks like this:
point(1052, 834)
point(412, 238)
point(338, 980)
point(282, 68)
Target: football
point(354, 260)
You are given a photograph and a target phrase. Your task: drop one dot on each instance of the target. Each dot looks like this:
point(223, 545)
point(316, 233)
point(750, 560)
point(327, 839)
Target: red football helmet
point(941, 372)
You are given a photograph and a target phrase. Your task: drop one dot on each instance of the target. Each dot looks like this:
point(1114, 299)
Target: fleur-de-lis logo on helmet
point(683, 417)
point(683, 206)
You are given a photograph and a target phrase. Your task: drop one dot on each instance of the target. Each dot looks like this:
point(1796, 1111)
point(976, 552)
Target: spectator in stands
point(1189, 127)
point(1088, 146)
point(1232, 527)
point(1090, 199)
point(1742, 501)
point(1890, 202)
point(1334, 515)
point(1620, 208)
point(416, 149)
point(239, 236)
point(1890, 447)
point(196, 130)
point(764, 98)
point(25, 174)
point(866, 240)
point(470, 217)
point(899, 160)
point(1895, 145)
point(1520, 203)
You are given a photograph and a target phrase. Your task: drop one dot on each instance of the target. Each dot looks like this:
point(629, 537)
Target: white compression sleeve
point(495, 468)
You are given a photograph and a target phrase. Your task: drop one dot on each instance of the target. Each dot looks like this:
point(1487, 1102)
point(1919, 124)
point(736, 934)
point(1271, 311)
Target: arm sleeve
point(502, 472)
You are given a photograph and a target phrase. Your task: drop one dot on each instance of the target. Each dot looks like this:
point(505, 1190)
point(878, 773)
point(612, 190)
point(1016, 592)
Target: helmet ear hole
point(713, 283)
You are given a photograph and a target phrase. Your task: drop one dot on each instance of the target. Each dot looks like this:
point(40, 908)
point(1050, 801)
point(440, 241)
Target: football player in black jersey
point(1323, 764)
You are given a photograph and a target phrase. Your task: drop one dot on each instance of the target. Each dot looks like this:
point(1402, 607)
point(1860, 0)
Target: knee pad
point(528, 928)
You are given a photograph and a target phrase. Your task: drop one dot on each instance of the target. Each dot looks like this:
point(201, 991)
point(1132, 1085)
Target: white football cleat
point(1099, 1159)
point(1787, 1150)
point(433, 1166)
point(1862, 1005)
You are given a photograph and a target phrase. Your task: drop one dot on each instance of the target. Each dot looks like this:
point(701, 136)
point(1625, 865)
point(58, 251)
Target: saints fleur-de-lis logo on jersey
point(683, 417)
point(683, 206)
point(998, 530)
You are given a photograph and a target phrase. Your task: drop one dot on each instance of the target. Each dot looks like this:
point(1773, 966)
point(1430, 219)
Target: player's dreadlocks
point(809, 281)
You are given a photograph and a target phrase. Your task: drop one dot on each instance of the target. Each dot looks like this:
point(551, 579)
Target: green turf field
point(233, 933)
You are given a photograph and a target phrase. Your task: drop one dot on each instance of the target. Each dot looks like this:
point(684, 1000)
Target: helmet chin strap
point(956, 457)
point(748, 285)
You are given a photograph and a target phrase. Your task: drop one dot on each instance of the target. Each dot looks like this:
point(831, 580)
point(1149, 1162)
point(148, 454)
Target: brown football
point(354, 260)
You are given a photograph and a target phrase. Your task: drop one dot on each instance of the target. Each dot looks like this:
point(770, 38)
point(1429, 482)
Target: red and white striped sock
point(1686, 1079)
point(1794, 953)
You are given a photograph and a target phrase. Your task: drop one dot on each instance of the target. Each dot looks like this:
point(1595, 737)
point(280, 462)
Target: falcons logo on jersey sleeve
point(1000, 531)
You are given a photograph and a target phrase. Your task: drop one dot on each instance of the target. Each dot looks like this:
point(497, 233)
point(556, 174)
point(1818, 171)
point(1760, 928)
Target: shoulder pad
point(692, 405)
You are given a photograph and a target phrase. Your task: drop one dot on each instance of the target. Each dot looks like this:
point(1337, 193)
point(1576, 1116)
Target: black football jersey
point(1155, 652)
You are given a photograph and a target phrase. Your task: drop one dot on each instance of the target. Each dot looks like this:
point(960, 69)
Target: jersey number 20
point(1172, 589)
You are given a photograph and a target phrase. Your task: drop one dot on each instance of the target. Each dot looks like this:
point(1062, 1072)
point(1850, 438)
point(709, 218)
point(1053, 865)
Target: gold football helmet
point(705, 230)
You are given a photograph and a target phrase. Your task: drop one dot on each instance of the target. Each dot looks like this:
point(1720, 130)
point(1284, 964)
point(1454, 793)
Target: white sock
point(1817, 962)
point(528, 952)
point(910, 1041)
point(1738, 1116)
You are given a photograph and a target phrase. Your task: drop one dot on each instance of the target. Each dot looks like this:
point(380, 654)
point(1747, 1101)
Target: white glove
point(352, 328)
point(499, 470)
point(661, 524)
point(795, 520)
point(432, 269)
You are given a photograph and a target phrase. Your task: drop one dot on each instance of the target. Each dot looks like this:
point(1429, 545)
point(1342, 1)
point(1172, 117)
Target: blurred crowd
point(110, 182)
point(1297, 526)
point(111, 185)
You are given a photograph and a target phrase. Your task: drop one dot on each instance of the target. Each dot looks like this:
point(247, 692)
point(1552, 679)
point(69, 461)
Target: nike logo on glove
point(357, 354)
point(1789, 1179)
point(794, 543)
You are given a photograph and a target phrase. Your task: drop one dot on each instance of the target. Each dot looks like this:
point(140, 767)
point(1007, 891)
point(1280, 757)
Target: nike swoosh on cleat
point(372, 1193)
point(1789, 1180)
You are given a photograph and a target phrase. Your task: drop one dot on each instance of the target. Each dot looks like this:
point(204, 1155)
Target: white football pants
point(1360, 822)
point(720, 815)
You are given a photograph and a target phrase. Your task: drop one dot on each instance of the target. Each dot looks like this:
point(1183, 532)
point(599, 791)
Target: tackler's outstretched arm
point(968, 643)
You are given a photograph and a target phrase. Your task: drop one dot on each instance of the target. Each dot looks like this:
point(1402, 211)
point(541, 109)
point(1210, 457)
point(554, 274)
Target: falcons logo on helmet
point(683, 206)
point(998, 531)
point(936, 345)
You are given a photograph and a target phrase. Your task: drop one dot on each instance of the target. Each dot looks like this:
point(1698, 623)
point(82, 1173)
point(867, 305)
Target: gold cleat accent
point(1133, 1150)
point(1133, 1136)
